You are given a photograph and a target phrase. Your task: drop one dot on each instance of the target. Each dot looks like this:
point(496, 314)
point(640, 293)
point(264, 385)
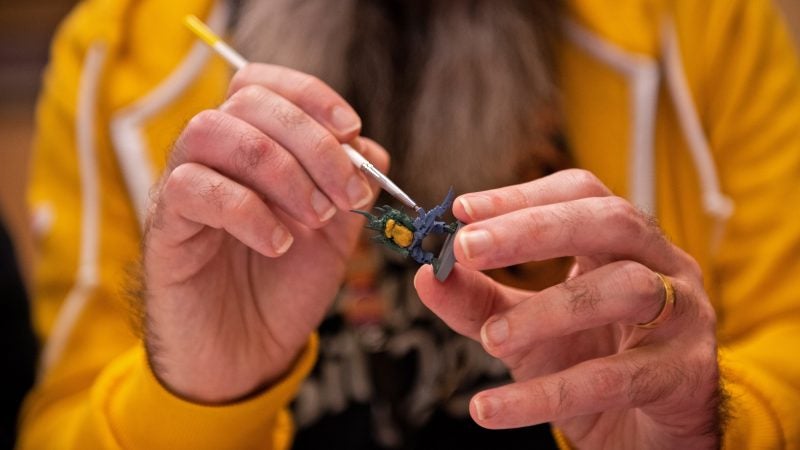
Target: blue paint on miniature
point(405, 235)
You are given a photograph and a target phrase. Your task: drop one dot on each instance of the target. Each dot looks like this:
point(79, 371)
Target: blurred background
point(26, 27)
point(25, 30)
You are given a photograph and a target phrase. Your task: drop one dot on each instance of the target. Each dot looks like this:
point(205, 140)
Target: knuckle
point(703, 356)
point(649, 383)
point(531, 232)
point(203, 127)
point(251, 74)
point(530, 222)
point(559, 398)
point(622, 216)
point(154, 195)
point(693, 306)
point(178, 182)
point(241, 201)
point(548, 396)
point(516, 198)
point(608, 383)
point(310, 90)
point(252, 152)
point(694, 270)
point(589, 181)
point(242, 76)
point(246, 96)
point(565, 397)
point(582, 298)
point(308, 85)
point(705, 312)
point(186, 182)
point(215, 194)
point(694, 373)
point(159, 200)
point(322, 144)
point(641, 282)
point(288, 115)
point(619, 210)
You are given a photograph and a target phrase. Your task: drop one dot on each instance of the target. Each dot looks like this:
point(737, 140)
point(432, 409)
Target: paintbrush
point(237, 61)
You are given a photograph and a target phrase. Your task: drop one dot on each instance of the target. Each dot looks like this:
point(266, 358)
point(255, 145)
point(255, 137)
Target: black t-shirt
point(391, 375)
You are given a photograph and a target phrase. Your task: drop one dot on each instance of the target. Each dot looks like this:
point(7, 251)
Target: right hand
point(249, 233)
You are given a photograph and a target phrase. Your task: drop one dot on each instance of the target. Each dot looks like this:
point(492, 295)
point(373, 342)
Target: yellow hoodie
point(689, 108)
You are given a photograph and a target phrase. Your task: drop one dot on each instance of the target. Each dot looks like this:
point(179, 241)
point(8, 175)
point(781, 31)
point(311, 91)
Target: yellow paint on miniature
point(389, 227)
point(401, 235)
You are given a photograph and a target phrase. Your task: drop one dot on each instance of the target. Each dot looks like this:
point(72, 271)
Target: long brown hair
point(460, 92)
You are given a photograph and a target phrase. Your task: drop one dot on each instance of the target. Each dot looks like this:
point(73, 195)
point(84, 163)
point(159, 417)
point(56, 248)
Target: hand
point(249, 233)
point(574, 350)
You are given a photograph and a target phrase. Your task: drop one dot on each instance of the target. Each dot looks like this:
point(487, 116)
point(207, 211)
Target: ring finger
point(623, 292)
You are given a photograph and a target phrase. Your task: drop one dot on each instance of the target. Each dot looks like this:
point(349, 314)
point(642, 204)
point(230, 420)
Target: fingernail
point(322, 206)
point(344, 120)
point(495, 332)
point(358, 191)
point(477, 206)
point(281, 240)
point(475, 242)
point(487, 406)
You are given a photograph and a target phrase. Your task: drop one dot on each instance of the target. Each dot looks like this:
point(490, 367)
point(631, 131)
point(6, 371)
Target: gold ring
point(669, 304)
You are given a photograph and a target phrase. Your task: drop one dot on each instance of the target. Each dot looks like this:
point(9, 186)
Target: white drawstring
point(86, 277)
point(127, 134)
point(643, 75)
point(715, 203)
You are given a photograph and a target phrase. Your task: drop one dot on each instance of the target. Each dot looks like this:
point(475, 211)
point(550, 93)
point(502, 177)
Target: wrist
point(205, 381)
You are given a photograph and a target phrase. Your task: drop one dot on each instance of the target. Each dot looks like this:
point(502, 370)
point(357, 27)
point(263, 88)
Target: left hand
point(574, 350)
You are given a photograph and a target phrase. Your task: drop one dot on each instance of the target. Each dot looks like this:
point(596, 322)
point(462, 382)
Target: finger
point(306, 91)
point(633, 379)
point(624, 292)
point(590, 226)
point(379, 158)
point(562, 186)
point(345, 226)
point(194, 196)
point(374, 153)
point(466, 299)
point(241, 152)
point(317, 150)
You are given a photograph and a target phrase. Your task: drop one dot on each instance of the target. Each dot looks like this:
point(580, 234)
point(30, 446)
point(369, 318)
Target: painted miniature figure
point(398, 231)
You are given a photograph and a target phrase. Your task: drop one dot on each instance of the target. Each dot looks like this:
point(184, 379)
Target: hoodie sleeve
point(744, 71)
point(95, 388)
